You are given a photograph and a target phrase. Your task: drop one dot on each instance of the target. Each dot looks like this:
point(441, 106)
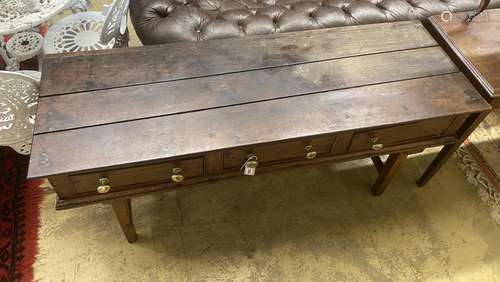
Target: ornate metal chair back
point(116, 21)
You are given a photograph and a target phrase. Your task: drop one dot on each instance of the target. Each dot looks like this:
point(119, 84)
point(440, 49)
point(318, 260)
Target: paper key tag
point(250, 165)
point(249, 170)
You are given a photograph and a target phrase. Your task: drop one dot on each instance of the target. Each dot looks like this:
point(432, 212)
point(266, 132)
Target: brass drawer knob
point(104, 186)
point(375, 144)
point(177, 176)
point(310, 154)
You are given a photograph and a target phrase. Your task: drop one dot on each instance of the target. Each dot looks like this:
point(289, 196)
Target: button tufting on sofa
point(163, 21)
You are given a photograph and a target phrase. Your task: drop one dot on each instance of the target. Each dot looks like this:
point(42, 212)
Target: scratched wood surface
point(475, 46)
point(128, 66)
point(167, 98)
point(106, 120)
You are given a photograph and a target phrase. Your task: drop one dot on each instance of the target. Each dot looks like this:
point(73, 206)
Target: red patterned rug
point(19, 218)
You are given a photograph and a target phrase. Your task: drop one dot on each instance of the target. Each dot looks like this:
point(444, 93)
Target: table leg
point(470, 124)
point(123, 212)
point(386, 171)
point(378, 163)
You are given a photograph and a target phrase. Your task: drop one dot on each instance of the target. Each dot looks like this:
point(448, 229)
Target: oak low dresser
point(116, 124)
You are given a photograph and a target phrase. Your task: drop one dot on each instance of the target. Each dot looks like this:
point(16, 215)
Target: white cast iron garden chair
point(18, 100)
point(20, 19)
point(21, 46)
point(88, 30)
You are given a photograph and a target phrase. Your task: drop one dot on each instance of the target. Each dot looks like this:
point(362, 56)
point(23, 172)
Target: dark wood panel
point(63, 186)
point(203, 131)
point(122, 104)
point(455, 125)
point(213, 162)
point(406, 133)
point(141, 175)
point(64, 73)
point(283, 151)
point(64, 203)
point(475, 46)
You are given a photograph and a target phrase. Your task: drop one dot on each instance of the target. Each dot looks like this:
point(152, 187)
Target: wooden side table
point(474, 47)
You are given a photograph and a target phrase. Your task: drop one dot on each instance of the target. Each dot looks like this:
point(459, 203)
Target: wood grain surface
point(475, 47)
point(202, 131)
point(130, 66)
point(151, 100)
point(123, 107)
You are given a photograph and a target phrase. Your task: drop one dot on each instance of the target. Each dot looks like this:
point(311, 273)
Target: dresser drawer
point(380, 138)
point(141, 175)
point(282, 151)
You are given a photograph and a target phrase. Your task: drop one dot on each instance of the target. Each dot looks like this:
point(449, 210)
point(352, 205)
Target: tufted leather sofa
point(162, 21)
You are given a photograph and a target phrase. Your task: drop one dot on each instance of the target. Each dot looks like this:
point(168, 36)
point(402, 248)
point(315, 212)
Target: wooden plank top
point(156, 63)
point(478, 45)
point(273, 88)
point(197, 94)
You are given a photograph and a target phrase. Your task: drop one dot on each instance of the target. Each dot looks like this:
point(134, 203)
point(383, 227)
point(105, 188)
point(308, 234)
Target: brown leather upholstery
point(162, 21)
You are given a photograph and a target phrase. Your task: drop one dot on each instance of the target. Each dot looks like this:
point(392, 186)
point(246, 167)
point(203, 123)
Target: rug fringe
point(33, 197)
point(488, 191)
